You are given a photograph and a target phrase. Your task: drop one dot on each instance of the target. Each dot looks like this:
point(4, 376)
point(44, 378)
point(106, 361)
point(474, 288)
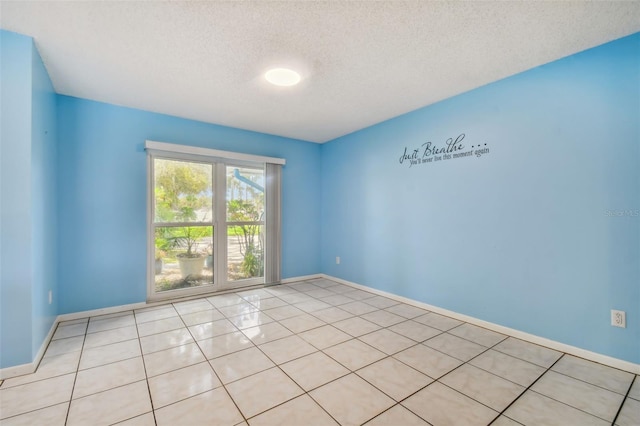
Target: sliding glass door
point(207, 226)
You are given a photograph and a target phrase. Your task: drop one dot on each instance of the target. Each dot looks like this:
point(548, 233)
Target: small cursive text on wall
point(430, 152)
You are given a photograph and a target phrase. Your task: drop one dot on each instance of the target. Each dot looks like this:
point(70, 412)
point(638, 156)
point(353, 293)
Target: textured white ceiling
point(361, 62)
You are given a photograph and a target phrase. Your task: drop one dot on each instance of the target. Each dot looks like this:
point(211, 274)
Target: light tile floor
point(315, 353)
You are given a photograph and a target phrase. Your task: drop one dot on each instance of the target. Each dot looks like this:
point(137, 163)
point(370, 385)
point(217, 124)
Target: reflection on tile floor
point(314, 352)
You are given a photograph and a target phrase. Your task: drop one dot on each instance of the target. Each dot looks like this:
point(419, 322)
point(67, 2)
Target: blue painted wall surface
point(102, 207)
point(541, 234)
point(43, 202)
point(15, 190)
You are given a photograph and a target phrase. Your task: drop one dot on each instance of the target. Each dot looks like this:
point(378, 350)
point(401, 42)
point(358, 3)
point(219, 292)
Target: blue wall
point(540, 234)
point(43, 202)
point(28, 219)
point(102, 206)
point(15, 230)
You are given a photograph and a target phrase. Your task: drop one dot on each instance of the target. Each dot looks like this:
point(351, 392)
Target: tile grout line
point(405, 319)
point(108, 363)
point(624, 400)
point(47, 378)
point(206, 361)
point(528, 388)
point(304, 391)
point(209, 363)
point(75, 377)
point(350, 371)
point(531, 385)
point(500, 413)
point(437, 380)
point(593, 384)
point(463, 363)
point(177, 346)
point(568, 405)
point(144, 366)
point(40, 363)
point(277, 365)
point(550, 368)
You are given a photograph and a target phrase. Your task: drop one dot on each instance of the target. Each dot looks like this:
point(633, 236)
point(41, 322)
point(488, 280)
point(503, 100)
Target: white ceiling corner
point(362, 62)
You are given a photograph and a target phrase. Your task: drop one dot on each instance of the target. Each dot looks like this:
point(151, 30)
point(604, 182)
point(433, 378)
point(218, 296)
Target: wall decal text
point(452, 148)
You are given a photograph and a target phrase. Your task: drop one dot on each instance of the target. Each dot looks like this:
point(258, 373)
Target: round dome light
point(282, 77)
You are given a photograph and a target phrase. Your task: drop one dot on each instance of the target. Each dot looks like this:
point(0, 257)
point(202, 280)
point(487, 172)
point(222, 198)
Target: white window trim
point(160, 147)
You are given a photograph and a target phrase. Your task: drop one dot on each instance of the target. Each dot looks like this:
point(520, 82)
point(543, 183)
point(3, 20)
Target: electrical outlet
point(337, 260)
point(618, 318)
point(50, 296)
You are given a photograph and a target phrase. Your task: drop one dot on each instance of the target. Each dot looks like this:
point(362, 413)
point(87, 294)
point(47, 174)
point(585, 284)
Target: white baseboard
point(110, 310)
point(301, 278)
point(21, 370)
point(532, 338)
point(18, 370)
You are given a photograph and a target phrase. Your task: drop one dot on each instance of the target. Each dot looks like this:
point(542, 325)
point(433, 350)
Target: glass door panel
point(245, 224)
point(183, 226)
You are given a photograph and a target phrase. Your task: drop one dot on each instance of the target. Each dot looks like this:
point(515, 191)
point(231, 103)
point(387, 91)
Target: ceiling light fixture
point(282, 77)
